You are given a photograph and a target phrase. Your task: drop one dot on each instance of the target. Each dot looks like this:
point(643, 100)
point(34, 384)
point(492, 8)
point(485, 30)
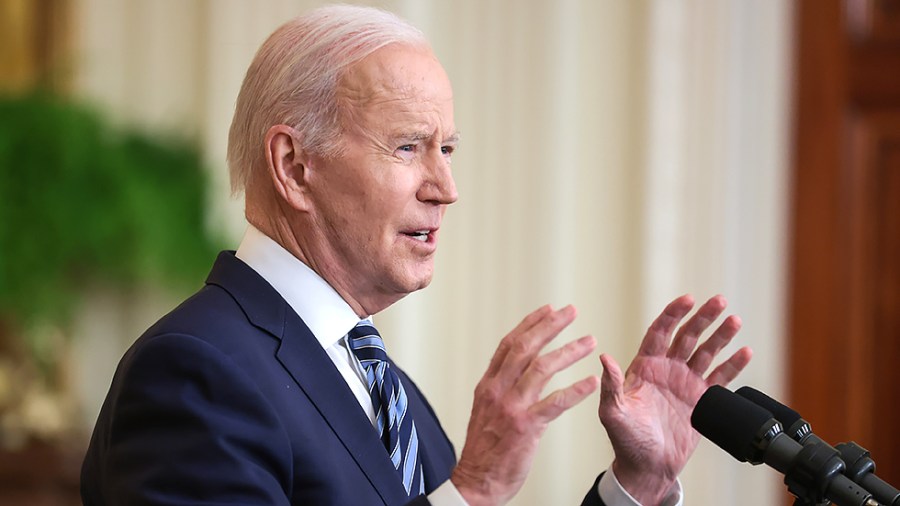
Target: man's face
point(379, 204)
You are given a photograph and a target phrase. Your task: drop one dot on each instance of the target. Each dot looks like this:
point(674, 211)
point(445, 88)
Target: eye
point(447, 150)
point(406, 152)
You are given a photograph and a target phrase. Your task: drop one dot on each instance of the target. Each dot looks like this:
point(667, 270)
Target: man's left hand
point(647, 410)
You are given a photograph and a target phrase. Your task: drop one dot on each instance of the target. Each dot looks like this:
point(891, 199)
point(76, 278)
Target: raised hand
point(508, 414)
point(647, 411)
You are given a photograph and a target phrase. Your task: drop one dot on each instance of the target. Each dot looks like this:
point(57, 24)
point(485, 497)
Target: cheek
point(371, 210)
point(385, 207)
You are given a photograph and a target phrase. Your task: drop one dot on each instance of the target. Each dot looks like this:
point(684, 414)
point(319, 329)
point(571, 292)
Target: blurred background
point(615, 154)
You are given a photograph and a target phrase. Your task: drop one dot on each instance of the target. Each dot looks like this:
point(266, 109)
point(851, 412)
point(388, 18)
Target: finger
point(707, 351)
point(526, 324)
point(657, 338)
point(543, 368)
point(687, 335)
point(728, 370)
point(611, 383)
point(561, 400)
point(524, 347)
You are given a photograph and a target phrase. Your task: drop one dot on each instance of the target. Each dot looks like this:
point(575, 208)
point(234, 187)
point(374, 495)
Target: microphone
point(795, 426)
point(859, 465)
point(751, 434)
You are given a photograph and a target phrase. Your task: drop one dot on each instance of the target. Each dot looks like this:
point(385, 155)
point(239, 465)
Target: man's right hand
point(508, 414)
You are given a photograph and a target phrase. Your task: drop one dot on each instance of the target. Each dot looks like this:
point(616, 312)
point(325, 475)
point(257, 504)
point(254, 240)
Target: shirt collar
point(321, 308)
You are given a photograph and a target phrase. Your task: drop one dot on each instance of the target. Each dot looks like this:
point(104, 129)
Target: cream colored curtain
point(615, 154)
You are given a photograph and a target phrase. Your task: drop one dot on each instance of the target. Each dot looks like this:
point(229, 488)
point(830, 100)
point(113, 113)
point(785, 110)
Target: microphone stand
point(861, 469)
point(813, 470)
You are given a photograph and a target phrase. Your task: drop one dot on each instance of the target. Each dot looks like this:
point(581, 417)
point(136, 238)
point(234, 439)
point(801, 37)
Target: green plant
point(81, 201)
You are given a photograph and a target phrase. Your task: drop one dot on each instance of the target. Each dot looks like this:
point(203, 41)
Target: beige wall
point(615, 154)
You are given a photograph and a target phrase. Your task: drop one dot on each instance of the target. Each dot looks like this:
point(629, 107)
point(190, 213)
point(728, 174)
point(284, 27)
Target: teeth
point(420, 235)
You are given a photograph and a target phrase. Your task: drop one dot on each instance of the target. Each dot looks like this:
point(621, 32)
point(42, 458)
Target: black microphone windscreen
point(787, 416)
point(730, 421)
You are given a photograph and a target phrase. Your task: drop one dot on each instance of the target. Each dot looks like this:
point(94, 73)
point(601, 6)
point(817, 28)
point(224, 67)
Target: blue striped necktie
point(393, 421)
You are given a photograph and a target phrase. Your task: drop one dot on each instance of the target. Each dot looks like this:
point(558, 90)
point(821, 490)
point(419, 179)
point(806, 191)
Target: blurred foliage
point(81, 201)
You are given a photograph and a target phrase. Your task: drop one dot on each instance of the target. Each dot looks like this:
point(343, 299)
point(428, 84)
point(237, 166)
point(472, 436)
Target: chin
point(419, 280)
point(405, 281)
point(395, 290)
point(424, 283)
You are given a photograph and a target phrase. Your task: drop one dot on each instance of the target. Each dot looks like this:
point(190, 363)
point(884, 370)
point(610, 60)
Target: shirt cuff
point(613, 494)
point(446, 495)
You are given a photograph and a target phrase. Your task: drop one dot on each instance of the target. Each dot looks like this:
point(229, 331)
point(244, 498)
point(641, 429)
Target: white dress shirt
point(330, 318)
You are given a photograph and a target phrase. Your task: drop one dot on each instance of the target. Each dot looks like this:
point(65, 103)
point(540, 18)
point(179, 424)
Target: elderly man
point(271, 386)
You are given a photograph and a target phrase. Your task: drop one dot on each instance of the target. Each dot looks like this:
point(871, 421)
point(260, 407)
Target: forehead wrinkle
point(377, 95)
point(363, 85)
point(359, 99)
point(387, 115)
point(383, 84)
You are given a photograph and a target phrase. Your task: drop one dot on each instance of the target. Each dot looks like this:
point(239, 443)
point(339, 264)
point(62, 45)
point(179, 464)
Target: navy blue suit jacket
point(230, 399)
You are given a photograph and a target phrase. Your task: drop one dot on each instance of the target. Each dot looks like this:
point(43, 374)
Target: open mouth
point(419, 235)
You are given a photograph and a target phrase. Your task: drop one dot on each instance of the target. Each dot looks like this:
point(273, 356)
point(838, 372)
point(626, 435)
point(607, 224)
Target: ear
point(288, 166)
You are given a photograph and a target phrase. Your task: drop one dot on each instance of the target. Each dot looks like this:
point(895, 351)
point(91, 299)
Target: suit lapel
point(314, 372)
point(305, 360)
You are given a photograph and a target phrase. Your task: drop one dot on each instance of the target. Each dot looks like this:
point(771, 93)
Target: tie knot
point(366, 343)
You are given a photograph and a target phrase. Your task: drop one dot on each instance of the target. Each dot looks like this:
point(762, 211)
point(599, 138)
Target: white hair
point(293, 79)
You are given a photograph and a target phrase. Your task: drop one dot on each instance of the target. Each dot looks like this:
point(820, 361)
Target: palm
point(647, 411)
point(653, 421)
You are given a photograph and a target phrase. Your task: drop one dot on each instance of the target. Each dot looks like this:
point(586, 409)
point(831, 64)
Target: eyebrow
point(421, 136)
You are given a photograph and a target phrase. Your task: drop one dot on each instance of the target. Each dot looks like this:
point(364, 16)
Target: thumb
point(611, 383)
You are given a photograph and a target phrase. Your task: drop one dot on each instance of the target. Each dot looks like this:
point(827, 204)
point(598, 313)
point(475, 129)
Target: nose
point(438, 186)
